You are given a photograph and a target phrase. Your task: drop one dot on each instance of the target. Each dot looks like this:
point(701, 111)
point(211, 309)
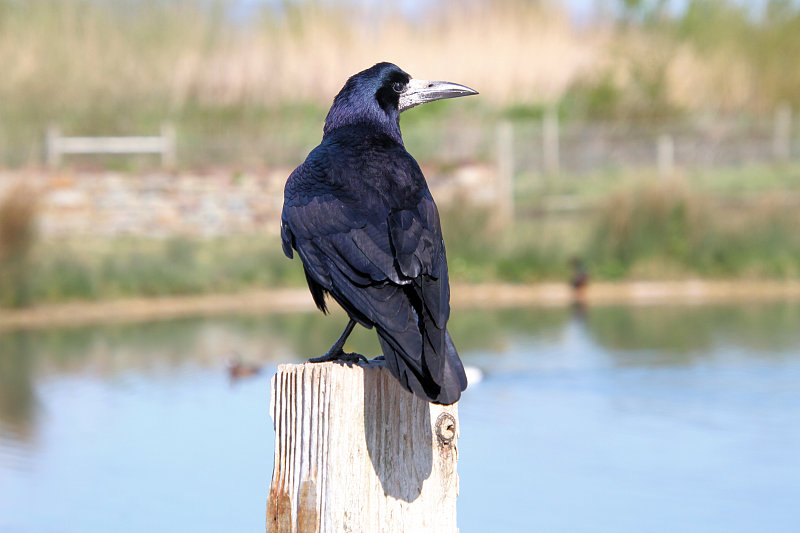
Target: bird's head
point(379, 94)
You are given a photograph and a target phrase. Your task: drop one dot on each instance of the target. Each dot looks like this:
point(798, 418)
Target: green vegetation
point(101, 269)
point(632, 230)
point(669, 231)
point(648, 230)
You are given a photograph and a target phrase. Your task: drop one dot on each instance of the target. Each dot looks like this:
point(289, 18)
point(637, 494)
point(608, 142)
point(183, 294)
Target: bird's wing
point(365, 237)
point(328, 234)
point(331, 231)
point(416, 239)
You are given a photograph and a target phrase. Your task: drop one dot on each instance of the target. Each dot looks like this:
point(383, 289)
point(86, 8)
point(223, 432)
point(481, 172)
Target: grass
point(645, 230)
point(650, 230)
point(70, 270)
point(730, 224)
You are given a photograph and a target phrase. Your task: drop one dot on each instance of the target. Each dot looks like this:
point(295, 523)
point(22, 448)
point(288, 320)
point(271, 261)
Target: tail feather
point(444, 389)
point(455, 379)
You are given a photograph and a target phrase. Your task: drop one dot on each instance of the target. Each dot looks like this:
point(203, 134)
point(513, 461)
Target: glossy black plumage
point(360, 215)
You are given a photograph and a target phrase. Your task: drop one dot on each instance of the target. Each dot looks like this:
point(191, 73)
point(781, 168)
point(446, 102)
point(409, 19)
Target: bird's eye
point(398, 87)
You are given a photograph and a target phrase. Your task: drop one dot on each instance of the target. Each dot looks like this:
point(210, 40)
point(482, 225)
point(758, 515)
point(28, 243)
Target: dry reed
point(73, 54)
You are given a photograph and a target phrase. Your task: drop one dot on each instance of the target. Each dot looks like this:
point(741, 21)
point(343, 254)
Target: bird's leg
point(337, 353)
point(338, 347)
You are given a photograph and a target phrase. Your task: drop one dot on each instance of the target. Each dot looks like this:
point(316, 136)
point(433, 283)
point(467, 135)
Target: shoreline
point(463, 296)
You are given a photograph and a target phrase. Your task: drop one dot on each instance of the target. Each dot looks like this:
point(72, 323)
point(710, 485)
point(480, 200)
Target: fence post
point(354, 451)
point(550, 142)
point(665, 148)
point(782, 139)
point(505, 172)
point(168, 135)
point(52, 147)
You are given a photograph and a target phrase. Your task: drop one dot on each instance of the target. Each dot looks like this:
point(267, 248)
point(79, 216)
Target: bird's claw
point(346, 358)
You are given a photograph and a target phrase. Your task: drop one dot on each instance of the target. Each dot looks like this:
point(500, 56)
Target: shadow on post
point(397, 428)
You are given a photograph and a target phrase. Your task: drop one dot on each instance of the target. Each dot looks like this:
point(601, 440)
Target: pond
point(612, 419)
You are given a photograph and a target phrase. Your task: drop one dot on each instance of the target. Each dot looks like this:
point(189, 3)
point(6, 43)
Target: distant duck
point(238, 369)
point(579, 280)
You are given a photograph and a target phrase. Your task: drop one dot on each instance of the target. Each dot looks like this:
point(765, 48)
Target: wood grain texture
point(355, 452)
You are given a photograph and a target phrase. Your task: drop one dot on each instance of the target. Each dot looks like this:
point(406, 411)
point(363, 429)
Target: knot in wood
point(445, 429)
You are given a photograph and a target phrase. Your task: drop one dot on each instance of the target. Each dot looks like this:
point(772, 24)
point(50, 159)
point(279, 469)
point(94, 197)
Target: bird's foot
point(340, 356)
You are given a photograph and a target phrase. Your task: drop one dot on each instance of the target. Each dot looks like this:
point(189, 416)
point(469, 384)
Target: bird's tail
point(444, 388)
point(455, 379)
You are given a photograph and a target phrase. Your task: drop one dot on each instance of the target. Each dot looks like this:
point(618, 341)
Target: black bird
point(360, 215)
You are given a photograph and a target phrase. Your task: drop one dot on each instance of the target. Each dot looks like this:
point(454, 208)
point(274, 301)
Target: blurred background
point(144, 147)
point(653, 139)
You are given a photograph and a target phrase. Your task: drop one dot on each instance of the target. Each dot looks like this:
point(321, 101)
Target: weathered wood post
point(550, 142)
point(782, 134)
point(665, 156)
point(505, 173)
point(52, 146)
point(168, 140)
point(356, 452)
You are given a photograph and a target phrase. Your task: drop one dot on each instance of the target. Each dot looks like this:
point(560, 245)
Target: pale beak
point(423, 91)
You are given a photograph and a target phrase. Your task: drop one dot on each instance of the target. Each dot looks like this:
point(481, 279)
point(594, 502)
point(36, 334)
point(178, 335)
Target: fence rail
point(56, 146)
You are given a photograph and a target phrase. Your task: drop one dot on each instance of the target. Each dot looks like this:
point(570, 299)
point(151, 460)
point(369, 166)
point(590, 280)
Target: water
point(657, 419)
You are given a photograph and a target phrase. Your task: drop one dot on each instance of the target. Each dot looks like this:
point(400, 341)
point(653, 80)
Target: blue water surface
point(615, 419)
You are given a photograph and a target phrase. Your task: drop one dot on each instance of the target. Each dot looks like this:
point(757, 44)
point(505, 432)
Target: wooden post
point(782, 138)
point(168, 135)
point(354, 451)
point(505, 173)
point(52, 147)
point(550, 142)
point(665, 148)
